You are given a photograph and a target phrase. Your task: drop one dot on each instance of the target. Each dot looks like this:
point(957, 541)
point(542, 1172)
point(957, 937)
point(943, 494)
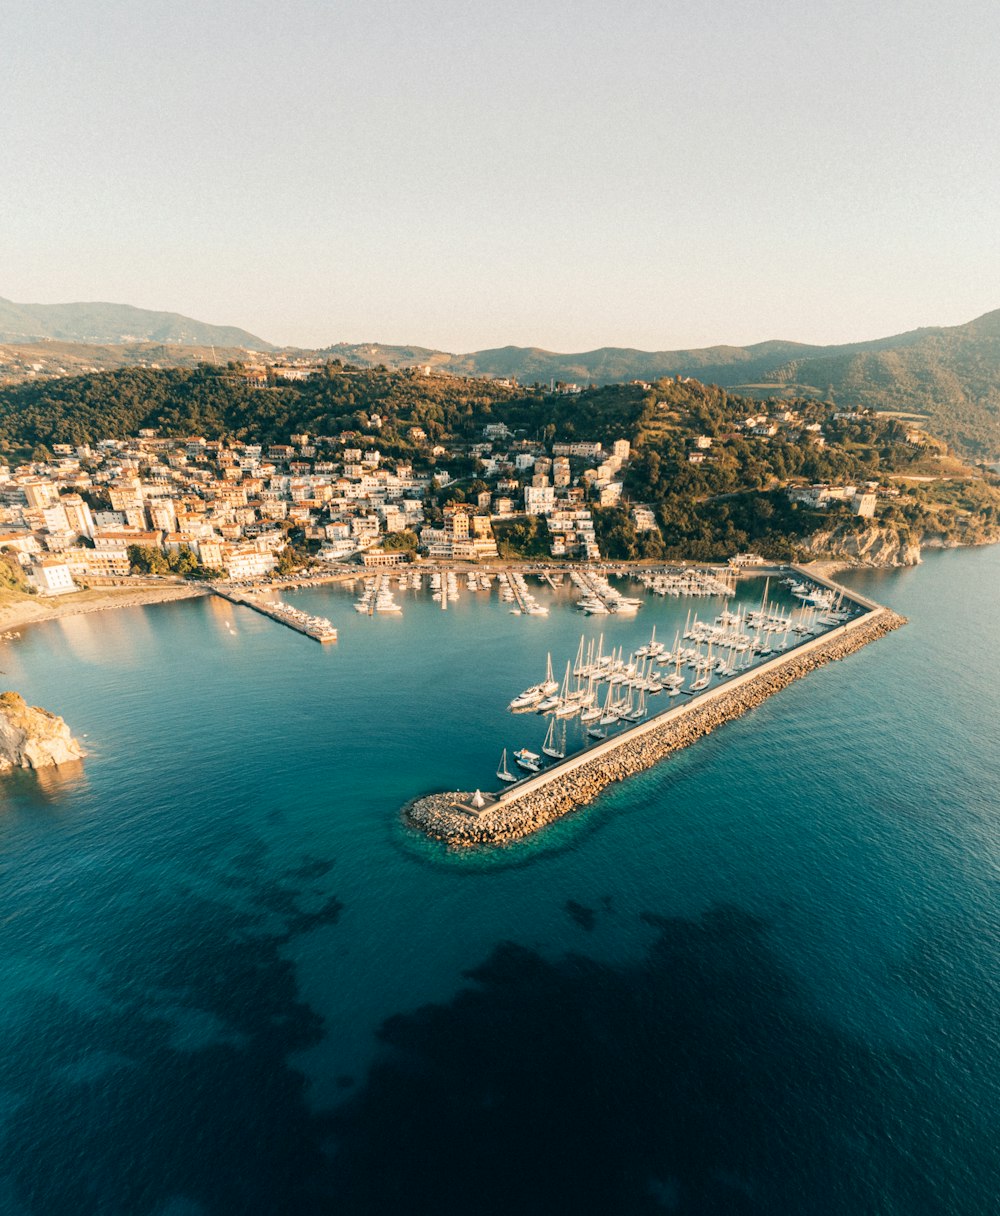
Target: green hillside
point(115, 323)
point(949, 376)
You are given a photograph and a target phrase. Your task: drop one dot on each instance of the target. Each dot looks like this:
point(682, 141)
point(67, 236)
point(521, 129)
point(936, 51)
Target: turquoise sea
point(763, 977)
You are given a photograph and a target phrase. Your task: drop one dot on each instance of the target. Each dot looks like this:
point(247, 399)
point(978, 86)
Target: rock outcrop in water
point(31, 737)
point(444, 817)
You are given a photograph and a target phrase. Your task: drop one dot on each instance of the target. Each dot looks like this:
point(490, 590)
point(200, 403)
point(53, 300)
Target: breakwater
point(516, 813)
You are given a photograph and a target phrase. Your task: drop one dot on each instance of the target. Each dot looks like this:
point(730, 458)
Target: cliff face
point(32, 737)
point(874, 546)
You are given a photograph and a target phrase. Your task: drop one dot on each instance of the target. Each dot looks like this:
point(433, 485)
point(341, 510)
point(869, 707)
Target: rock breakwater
point(579, 780)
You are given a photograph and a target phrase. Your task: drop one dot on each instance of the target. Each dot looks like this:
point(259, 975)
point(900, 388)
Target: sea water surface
point(762, 977)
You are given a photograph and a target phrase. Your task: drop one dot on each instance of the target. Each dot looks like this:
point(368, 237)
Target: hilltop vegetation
point(221, 402)
point(50, 359)
point(949, 376)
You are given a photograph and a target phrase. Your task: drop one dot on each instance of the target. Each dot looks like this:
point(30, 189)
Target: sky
point(663, 174)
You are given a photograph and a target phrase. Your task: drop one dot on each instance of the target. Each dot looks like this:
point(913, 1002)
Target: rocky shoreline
point(444, 817)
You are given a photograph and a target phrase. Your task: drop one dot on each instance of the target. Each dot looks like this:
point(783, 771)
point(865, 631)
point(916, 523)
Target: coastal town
point(99, 514)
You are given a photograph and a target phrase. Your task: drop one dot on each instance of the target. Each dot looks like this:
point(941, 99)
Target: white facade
point(54, 578)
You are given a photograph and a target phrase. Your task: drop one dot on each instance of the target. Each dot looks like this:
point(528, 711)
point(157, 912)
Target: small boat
point(529, 761)
point(503, 772)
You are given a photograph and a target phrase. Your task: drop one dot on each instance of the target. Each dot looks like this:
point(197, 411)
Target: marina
point(622, 736)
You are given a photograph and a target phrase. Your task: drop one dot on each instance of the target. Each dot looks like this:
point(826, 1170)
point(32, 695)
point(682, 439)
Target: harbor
point(529, 802)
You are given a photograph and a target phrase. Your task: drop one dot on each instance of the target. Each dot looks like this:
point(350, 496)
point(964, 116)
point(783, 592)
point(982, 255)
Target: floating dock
point(535, 801)
point(316, 627)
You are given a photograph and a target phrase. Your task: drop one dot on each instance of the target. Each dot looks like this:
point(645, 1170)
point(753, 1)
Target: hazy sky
point(658, 174)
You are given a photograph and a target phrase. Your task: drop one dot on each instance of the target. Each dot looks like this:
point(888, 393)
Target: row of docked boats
point(690, 582)
point(600, 598)
point(607, 690)
point(377, 597)
point(514, 591)
point(823, 599)
point(444, 587)
point(316, 627)
point(554, 747)
point(530, 762)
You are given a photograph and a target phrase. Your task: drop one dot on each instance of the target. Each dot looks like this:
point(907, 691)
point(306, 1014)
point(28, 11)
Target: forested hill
point(222, 402)
point(949, 376)
point(408, 413)
point(115, 323)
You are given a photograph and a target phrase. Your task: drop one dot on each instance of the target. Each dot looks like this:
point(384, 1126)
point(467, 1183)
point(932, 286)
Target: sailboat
point(503, 772)
point(586, 696)
point(549, 685)
point(703, 680)
point(610, 712)
point(593, 710)
point(550, 747)
point(567, 706)
point(578, 665)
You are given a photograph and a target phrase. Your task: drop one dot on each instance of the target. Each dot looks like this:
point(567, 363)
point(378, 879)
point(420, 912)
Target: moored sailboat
point(503, 772)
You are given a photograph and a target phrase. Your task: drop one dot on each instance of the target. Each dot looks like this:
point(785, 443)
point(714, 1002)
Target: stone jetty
point(515, 813)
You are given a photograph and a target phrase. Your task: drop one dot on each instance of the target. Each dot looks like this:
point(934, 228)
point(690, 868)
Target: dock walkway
point(316, 627)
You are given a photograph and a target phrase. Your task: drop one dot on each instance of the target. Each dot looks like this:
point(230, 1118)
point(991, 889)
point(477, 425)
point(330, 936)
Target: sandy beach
point(17, 612)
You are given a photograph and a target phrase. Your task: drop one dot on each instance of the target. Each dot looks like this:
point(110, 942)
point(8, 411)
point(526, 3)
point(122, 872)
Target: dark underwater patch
point(699, 1081)
point(224, 1126)
point(585, 917)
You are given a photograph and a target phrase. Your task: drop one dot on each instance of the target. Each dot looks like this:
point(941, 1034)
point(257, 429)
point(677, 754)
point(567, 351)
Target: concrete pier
point(317, 628)
point(536, 801)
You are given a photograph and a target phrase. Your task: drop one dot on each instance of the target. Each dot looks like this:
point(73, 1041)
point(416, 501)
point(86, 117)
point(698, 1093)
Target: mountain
point(947, 377)
point(115, 323)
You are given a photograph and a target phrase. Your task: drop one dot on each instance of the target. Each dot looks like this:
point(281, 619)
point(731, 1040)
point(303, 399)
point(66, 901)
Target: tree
point(144, 559)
